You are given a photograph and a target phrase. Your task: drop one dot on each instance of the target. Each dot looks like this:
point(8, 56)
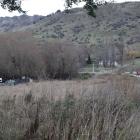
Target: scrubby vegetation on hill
point(113, 21)
point(18, 22)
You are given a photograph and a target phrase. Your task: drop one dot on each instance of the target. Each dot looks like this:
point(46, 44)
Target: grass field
point(104, 108)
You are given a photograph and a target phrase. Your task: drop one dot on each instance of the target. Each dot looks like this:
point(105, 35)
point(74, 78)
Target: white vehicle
point(0, 80)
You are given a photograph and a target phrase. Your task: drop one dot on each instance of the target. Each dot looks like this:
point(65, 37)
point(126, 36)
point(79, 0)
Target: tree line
point(23, 55)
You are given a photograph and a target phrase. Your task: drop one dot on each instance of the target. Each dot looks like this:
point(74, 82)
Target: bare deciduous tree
point(61, 59)
point(19, 57)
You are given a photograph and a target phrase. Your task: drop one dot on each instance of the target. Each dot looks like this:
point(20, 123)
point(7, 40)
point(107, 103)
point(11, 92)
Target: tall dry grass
point(100, 109)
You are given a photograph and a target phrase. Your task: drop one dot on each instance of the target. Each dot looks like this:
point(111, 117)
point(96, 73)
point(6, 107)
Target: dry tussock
point(71, 110)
